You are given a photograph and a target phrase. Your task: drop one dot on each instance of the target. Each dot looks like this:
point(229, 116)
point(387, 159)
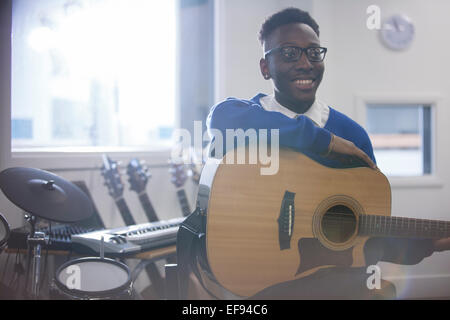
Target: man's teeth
point(304, 81)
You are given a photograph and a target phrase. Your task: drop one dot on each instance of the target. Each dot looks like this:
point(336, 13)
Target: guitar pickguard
point(313, 254)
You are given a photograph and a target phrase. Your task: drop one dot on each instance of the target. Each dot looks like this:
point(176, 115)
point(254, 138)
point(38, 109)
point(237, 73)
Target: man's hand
point(441, 244)
point(340, 146)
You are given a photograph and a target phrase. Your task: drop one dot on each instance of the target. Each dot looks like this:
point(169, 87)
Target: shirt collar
point(315, 112)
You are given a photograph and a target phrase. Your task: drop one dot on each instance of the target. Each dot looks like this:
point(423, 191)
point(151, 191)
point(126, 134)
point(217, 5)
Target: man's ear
point(264, 68)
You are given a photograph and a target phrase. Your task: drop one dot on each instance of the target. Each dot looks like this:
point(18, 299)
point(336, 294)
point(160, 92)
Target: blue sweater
point(303, 135)
point(300, 134)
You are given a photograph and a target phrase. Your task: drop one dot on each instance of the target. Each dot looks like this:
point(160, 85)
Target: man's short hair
point(286, 16)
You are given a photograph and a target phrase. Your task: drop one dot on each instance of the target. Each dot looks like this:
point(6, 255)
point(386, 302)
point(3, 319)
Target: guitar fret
point(367, 225)
point(438, 230)
point(371, 225)
point(375, 225)
point(429, 226)
point(380, 231)
point(404, 227)
point(396, 228)
point(433, 230)
point(415, 227)
point(390, 227)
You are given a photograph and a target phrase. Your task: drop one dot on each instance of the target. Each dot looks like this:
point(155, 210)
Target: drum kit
point(44, 195)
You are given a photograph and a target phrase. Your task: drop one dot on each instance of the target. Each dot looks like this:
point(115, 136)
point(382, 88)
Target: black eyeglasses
point(292, 54)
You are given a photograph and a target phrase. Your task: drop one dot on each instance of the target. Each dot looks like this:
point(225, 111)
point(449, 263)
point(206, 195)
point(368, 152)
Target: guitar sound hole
point(338, 224)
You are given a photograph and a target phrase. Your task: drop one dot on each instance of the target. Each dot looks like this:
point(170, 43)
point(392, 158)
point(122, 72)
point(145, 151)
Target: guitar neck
point(148, 207)
point(125, 211)
point(386, 226)
point(182, 199)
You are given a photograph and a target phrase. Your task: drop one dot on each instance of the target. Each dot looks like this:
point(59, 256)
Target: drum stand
point(35, 242)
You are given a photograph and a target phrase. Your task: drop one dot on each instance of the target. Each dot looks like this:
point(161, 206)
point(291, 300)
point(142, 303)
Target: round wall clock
point(397, 32)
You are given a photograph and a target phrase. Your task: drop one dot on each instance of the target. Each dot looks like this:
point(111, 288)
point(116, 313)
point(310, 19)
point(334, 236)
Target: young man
point(294, 61)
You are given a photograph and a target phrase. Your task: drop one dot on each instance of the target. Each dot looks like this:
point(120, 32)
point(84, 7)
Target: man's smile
point(304, 83)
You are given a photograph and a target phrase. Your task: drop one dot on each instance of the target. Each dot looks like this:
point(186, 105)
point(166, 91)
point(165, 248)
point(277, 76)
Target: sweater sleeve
point(300, 134)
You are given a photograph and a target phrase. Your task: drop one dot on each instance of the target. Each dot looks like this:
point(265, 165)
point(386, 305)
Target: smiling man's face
point(295, 83)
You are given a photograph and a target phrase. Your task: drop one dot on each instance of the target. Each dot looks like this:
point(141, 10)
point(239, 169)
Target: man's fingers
point(345, 147)
point(362, 155)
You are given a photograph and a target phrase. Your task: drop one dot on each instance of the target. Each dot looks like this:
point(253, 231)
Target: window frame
point(82, 158)
point(434, 100)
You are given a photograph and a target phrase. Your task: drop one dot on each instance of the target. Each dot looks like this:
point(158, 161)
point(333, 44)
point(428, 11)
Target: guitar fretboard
point(386, 226)
point(125, 212)
point(148, 207)
point(182, 199)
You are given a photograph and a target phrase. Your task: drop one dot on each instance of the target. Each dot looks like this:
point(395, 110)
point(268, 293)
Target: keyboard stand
point(172, 282)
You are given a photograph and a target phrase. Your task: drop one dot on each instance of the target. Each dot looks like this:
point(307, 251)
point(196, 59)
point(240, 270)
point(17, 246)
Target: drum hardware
point(36, 240)
point(45, 195)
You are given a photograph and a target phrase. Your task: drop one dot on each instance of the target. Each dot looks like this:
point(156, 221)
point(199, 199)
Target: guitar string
point(434, 226)
point(422, 224)
point(432, 223)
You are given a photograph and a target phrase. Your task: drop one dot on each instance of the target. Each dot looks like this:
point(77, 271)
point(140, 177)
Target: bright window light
point(93, 73)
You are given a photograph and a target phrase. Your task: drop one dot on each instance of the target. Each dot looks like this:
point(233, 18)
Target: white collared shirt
point(318, 112)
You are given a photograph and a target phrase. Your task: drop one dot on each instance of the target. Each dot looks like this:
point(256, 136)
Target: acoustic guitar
point(265, 229)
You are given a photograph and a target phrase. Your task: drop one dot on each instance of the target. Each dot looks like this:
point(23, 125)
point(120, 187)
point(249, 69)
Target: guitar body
point(265, 229)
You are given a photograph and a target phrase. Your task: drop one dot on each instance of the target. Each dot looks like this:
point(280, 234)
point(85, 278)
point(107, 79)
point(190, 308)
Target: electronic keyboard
point(128, 240)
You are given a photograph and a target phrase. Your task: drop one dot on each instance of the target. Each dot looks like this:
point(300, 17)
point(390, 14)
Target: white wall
point(358, 65)
point(238, 50)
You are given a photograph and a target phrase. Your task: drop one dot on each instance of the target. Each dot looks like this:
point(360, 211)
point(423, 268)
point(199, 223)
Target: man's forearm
point(300, 134)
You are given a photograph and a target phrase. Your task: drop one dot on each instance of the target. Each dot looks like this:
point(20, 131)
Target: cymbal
point(45, 194)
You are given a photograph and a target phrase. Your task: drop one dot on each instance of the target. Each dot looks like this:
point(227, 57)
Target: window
point(88, 73)
point(401, 138)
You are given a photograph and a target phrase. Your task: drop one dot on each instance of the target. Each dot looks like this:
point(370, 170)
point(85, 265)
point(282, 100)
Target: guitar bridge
point(286, 220)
